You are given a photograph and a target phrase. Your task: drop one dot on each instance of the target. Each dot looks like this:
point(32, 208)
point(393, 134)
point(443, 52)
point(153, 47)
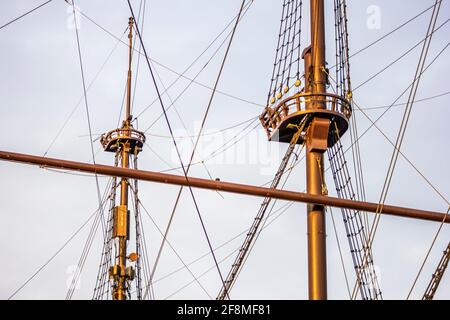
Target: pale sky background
point(40, 85)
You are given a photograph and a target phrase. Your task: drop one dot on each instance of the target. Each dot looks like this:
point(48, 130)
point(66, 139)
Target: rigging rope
point(250, 239)
point(25, 14)
point(91, 139)
point(175, 252)
point(430, 184)
point(354, 226)
point(224, 147)
point(140, 242)
point(433, 285)
point(185, 171)
point(178, 74)
point(53, 256)
point(80, 58)
point(141, 256)
point(401, 56)
point(405, 103)
point(134, 50)
point(146, 258)
point(191, 81)
point(182, 74)
point(82, 96)
point(86, 249)
point(119, 39)
point(190, 136)
point(289, 170)
point(101, 214)
point(341, 258)
point(373, 123)
point(286, 67)
point(353, 221)
point(174, 141)
point(390, 32)
point(344, 87)
point(282, 208)
point(139, 52)
point(343, 83)
point(102, 286)
point(437, 275)
point(83, 257)
point(404, 123)
point(285, 207)
point(200, 134)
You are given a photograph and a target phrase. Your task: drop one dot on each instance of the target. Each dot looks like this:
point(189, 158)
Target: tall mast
point(316, 145)
point(119, 289)
point(130, 57)
point(325, 117)
point(125, 142)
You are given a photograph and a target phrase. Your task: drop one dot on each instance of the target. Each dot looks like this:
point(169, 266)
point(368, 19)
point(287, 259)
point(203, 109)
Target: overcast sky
point(40, 86)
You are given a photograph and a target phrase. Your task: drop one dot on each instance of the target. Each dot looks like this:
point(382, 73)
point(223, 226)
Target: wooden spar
point(224, 186)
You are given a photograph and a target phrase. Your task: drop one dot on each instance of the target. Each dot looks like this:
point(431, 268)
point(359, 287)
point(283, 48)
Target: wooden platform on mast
point(276, 120)
point(113, 140)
